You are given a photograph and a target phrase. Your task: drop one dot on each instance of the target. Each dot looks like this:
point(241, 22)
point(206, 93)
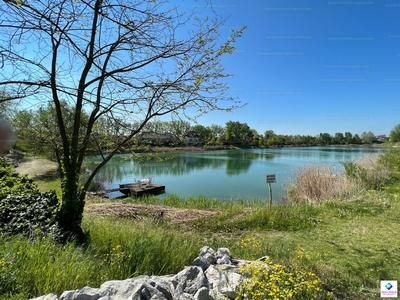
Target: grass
point(118, 249)
point(350, 242)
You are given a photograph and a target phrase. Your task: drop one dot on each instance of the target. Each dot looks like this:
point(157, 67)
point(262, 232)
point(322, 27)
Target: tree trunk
point(71, 211)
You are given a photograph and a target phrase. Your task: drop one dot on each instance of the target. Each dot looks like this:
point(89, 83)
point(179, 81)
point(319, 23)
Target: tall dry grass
point(315, 183)
point(368, 171)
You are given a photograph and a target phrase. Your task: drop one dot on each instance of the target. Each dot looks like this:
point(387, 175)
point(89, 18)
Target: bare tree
point(117, 59)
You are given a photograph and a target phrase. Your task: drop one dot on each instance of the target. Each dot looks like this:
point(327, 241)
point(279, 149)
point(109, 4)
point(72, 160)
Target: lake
point(225, 174)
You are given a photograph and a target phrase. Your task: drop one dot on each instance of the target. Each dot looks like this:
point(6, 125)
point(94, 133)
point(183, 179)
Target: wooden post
point(270, 179)
point(270, 194)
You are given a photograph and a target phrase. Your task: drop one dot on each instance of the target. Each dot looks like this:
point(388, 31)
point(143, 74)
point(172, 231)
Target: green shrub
point(31, 215)
point(11, 183)
point(369, 172)
point(23, 209)
point(391, 157)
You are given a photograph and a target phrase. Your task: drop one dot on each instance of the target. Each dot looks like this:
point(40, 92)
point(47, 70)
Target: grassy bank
point(349, 241)
point(350, 244)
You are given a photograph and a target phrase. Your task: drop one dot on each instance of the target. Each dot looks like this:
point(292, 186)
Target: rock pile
point(212, 275)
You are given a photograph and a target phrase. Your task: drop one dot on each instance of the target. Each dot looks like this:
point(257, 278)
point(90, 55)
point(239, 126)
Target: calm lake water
point(225, 174)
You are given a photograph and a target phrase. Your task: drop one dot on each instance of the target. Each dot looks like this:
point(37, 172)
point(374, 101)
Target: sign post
point(271, 178)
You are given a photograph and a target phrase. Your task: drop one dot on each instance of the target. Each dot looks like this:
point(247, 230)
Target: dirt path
point(36, 167)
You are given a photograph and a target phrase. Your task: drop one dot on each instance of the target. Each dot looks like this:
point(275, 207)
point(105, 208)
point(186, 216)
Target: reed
point(315, 183)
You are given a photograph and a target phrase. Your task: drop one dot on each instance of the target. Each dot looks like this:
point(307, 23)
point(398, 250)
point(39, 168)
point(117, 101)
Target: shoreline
point(188, 149)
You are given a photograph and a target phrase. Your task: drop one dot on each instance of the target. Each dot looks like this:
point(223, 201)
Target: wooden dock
point(134, 190)
point(138, 190)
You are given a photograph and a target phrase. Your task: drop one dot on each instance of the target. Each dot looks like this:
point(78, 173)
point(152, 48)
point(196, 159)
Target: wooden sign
point(271, 178)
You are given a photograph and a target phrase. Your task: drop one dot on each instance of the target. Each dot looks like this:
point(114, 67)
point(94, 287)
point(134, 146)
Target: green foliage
point(325, 138)
point(269, 280)
point(395, 134)
point(368, 172)
point(391, 157)
point(238, 132)
point(38, 133)
point(367, 137)
point(32, 214)
point(11, 183)
point(23, 209)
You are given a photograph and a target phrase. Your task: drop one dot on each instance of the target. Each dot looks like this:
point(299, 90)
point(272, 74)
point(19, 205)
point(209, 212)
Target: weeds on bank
point(279, 217)
point(34, 268)
point(199, 202)
point(139, 248)
point(118, 249)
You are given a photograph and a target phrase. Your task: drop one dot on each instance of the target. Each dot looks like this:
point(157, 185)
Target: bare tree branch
point(110, 60)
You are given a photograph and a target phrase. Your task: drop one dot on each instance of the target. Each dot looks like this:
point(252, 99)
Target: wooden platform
point(134, 190)
point(137, 190)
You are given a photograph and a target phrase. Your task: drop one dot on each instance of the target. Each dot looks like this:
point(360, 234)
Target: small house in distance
point(382, 138)
point(159, 139)
point(191, 138)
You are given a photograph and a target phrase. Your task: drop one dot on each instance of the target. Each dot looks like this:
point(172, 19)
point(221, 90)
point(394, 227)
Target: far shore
point(165, 149)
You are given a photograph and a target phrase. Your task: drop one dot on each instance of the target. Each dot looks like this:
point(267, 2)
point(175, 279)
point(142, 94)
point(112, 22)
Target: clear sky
point(312, 66)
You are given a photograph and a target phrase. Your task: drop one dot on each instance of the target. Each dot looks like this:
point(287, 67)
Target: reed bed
point(316, 183)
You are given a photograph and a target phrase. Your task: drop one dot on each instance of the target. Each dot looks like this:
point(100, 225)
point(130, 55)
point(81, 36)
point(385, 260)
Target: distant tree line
point(37, 135)
point(242, 134)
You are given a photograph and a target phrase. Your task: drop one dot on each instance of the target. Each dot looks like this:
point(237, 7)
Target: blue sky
point(306, 67)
